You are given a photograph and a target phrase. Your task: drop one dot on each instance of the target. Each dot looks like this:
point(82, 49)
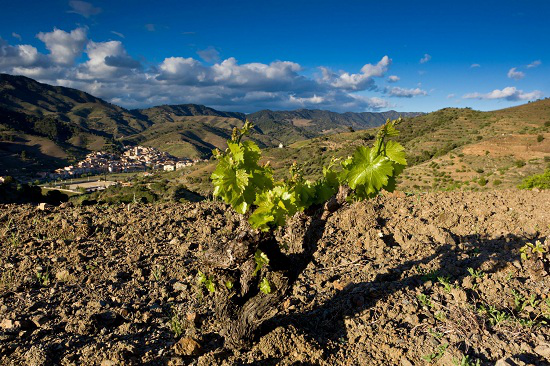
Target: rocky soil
point(427, 279)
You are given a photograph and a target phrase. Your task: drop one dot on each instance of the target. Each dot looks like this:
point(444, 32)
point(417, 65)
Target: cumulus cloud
point(16, 35)
point(425, 59)
point(405, 93)
point(516, 75)
point(64, 47)
point(22, 55)
point(110, 72)
point(83, 8)
point(451, 96)
point(209, 54)
point(306, 101)
point(509, 93)
point(106, 60)
point(473, 66)
point(360, 81)
point(534, 64)
point(393, 79)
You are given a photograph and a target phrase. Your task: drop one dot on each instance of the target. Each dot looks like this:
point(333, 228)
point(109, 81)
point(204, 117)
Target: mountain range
point(43, 126)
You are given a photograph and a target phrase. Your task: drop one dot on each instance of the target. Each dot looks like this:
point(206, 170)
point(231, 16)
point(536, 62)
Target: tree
point(253, 272)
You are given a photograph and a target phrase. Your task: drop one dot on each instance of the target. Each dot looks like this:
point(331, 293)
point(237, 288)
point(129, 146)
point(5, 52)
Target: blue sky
point(250, 55)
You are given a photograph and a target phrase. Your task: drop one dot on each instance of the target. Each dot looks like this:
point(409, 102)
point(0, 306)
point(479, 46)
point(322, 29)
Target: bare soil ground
point(426, 279)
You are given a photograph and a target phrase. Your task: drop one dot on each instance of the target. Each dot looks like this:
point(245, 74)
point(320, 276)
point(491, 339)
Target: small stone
point(43, 206)
point(187, 347)
point(146, 316)
point(459, 295)
point(503, 362)
point(40, 320)
point(63, 275)
point(37, 356)
point(405, 362)
point(7, 324)
point(543, 350)
point(179, 287)
point(191, 317)
point(108, 363)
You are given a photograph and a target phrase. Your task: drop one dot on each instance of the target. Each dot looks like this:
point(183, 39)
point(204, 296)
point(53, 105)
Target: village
point(133, 159)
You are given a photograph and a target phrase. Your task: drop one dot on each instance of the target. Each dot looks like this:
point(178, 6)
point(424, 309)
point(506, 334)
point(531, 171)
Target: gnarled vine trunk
point(242, 307)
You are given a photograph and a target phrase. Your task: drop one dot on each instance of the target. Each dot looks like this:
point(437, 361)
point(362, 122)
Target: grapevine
point(244, 184)
point(252, 273)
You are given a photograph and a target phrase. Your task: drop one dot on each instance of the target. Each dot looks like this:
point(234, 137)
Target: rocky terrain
point(437, 279)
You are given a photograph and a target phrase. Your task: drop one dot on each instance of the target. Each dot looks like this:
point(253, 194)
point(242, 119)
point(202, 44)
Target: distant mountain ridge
point(55, 124)
point(308, 123)
point(168, 111)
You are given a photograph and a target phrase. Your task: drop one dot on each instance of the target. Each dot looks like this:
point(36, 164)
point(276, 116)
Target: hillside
point(25, 95)
point(447, 149)
point(45, 127)
point(292, 126)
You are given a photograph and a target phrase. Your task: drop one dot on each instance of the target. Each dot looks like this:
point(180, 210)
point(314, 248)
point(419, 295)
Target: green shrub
point(519, 163)
point(540, 181)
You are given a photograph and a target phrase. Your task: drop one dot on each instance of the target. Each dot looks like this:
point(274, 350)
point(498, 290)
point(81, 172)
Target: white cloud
point(425, 59)
point(118, 34)
point(150, 27)
point(393, 79)
point(106, 60)
point(109, 72)
point(307, 101)
point(360, 81)
point(509, 93)
point(22, 55)
point(83, 8)
point(516, 75)
point(473, 66)
point(64, 47)
point(209, 54)
point(534, 64)
point(404, 93)
point(451, 96)
point(185, 71)
point(16, 35)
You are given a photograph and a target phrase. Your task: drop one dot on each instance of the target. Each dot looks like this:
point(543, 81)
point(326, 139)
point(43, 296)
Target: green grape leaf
point(305, 194)
point(237, 152)
point(274, 206)
point(261, 260)
point(261, 218)
point(252, 153)
point(395, 152)
point(368, 171)
point(388, 129)
point(201, 278)
point(209, 284)
point(238, 178)
point(392, 181)
point(265, 286)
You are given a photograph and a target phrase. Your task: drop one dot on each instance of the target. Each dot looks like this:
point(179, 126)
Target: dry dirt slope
point(114, 282)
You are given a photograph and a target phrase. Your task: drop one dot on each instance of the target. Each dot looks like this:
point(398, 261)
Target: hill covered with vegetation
point(43, 127)
point(447, 149)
